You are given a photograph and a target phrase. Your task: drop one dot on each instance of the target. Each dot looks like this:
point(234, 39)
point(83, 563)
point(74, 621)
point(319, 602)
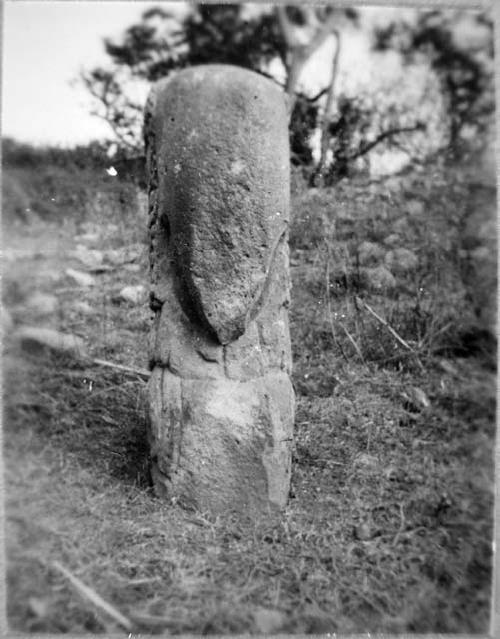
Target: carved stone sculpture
point(220, 397)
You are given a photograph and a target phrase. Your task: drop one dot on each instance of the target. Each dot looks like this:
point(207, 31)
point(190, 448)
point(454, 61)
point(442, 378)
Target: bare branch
point(368, 146)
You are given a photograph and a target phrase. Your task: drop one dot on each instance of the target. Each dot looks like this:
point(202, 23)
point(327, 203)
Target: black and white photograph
point(249, 318)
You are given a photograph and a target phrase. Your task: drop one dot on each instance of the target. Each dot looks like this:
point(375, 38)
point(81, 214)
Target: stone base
point(222, 445)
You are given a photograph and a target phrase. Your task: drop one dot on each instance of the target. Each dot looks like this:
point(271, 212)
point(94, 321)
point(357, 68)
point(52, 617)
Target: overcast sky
point(44, 46)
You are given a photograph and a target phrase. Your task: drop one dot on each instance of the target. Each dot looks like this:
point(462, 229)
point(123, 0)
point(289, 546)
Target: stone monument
point(221, 403)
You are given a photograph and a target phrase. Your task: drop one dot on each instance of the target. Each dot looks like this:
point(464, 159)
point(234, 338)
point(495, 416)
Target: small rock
point(37, 340)
point(83, 307)
point(392, 473)
point(90, 257)
point(415, 208)
point(38, 606)
point(378, 278)
point(7, 322)
point(393, 184)
point(132, 294)
point(88, 237)
point(50, 274)
point(267, 620)
point(392, 240)
point(124, 254)
point(367, 461)
point(80, 278)
point(401, 260)
point(363, 532)
point(401, 226)
point(369, 253)
point(481, 253)
point(42, 303)
point(132, 268)
point(416, 398)
point(447, 367)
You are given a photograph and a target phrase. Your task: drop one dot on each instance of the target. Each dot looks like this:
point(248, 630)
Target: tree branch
point(364, 148)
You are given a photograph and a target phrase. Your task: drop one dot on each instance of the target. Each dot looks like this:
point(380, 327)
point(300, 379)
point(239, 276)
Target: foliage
point(19, 155)
point(207, 33)
point(51, 183)
point(160, 43)
point(357, 127)
point(302, 122)
point(465, 69)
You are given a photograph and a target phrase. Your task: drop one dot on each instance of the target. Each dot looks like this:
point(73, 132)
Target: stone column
point(221, 401)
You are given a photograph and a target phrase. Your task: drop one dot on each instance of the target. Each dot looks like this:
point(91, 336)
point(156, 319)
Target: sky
point(45, 44)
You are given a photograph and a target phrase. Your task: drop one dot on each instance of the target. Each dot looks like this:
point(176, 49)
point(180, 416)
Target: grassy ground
point(389, 524)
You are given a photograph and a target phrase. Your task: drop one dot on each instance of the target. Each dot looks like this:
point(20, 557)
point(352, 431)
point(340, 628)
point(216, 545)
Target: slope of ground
point(389, 524)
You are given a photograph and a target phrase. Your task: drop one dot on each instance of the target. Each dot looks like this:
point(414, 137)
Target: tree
point(278, 42)
point(162, 42)
point(464, 66)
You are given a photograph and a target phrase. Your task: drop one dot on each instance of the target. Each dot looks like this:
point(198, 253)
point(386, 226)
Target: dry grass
point(390, 522)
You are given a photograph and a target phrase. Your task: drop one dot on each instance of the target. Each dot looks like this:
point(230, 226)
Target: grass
point(389, 524)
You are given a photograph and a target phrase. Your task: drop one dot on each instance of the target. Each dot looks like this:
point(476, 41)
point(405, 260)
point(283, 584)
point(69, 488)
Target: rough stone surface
point(221, 400)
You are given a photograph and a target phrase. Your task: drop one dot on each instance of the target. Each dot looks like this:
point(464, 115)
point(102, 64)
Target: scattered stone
point(42, 303)
point(132, 294)
point(370, 462)
point(377, 279)
point(448, 367)
point(90, 237)
point(124, 254)
point(392, 240)
point(7, 323)
point(393, 184)
point(83, 307)
point(415, 208)
point(363, 532)
point(220, 397)
point(480, 253)
point(268, 621)
point(401, 260)
point(369, 253)
point(90, 257)
point(38, 606)
point(80, 278)
point(416, 398)
point(401, 226)
point(50, 274)
point(132, 268)
point(36, 340)
point(393, 473)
